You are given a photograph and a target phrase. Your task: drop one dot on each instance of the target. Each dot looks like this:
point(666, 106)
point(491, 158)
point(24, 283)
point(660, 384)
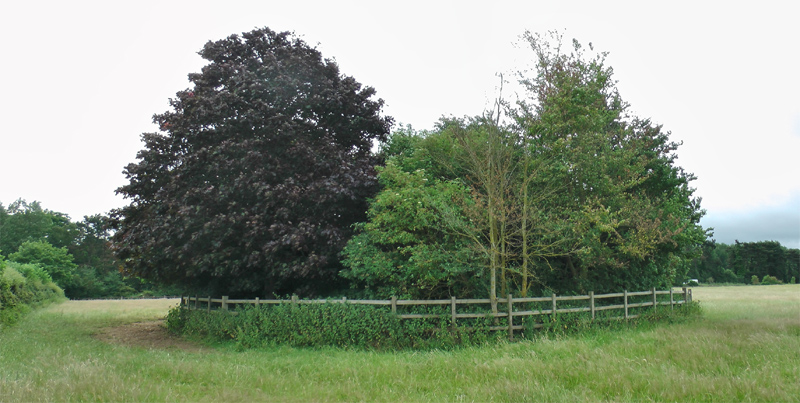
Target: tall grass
point(745, 348)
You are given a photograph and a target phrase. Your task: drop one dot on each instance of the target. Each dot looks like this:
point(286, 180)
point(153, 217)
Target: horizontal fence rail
point(505, 306)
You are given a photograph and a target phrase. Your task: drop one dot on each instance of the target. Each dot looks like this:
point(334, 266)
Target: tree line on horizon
point(746, 262)
point(78, 256)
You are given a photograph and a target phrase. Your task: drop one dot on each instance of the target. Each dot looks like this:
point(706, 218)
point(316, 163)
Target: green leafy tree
point(403, 250)
point(715, 262)
point(257, 175)
point(466, 191)
point(509, 224)
point(3, 217)
point(487, 155)
point(23, 221)
point(57, 262)
point(631, 208)
point(93, 244)
point(573, 194)
point(98, 272)
point(792, 263)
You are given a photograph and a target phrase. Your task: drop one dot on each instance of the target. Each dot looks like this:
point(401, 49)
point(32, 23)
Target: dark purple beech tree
point(257, 174)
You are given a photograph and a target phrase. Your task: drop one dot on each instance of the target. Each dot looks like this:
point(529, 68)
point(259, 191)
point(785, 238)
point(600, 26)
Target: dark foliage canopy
point(765, 258)
point(257, 175)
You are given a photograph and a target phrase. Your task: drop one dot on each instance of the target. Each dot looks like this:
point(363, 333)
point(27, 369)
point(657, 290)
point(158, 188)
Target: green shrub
point(56, 261)
point(770, 280)
point(317, 325)
point(369, 327)
point(581, 322)
point(18, 293)
point(5, 289)
point(12, 277)
point(792, 281)
point(32, 272)
point(562, 323)
point(324, 325)
point(754, 280)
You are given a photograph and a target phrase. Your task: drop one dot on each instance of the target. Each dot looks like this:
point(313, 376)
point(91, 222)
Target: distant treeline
point(76, 256)
point(742, 261)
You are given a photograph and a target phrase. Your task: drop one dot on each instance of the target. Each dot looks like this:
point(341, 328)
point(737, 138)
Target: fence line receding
point(505, 306)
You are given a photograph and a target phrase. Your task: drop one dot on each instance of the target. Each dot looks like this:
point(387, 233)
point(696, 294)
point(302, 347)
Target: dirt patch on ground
point(151, 335)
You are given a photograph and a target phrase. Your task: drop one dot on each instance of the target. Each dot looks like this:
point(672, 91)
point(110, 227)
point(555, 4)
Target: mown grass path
point(745, 348)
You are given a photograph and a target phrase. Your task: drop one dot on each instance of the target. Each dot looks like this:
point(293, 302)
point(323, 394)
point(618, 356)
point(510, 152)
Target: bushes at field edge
point(318, 325)
point(22, 287)
point(368, 327)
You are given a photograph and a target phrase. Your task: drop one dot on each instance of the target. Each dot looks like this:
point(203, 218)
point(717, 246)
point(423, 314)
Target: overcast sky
point(82, 80)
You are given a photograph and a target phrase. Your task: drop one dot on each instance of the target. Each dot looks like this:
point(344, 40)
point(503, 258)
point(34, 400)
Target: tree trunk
point(493, 262)
point(524, 235)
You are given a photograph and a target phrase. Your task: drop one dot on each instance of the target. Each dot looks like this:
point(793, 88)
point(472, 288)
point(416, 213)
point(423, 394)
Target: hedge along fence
point(628, 302)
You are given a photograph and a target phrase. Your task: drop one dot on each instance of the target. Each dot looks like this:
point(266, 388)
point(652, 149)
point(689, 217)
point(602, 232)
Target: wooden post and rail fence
point(683, 297)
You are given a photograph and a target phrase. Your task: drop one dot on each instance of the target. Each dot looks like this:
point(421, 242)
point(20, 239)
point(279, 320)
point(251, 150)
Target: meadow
point(744, 347)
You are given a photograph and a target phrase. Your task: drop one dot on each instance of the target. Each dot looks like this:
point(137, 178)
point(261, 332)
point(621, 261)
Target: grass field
point(746, 347)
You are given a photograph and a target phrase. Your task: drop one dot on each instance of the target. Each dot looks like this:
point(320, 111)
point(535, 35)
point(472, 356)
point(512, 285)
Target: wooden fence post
point(690, 295)
point(294, 299)
point(655, 299)
point(625, 295)
point(591, 303)
point(394, 305)
point(196, 301)
point(453, 312)
point(671, 300)
point(209, 303)
point(510, 317)
point(685, 295)
point(224, 302)
point(554, 305)
point(344, 300)
point(258, 302)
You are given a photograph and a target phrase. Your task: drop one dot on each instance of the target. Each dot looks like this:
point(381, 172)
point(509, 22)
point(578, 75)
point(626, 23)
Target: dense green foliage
point(258, 174)
point(403, 249)
point(765, 258)
point(22, 222)
point(770, 280)
point(57, 262)
point(324, 325)
point(744, 261)
point(571, 193)
point(22, 287)
point(77, 256)
point(369, 327)
point(262, 179)
point(630, 207)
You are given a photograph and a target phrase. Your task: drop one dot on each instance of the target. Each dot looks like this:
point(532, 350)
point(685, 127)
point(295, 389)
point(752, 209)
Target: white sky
point(83, 79)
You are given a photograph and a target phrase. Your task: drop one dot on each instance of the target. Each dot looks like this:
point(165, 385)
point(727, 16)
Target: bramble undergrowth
point(367, 327)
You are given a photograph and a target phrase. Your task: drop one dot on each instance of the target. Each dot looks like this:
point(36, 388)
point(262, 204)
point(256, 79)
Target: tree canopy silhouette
point(257, 174)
